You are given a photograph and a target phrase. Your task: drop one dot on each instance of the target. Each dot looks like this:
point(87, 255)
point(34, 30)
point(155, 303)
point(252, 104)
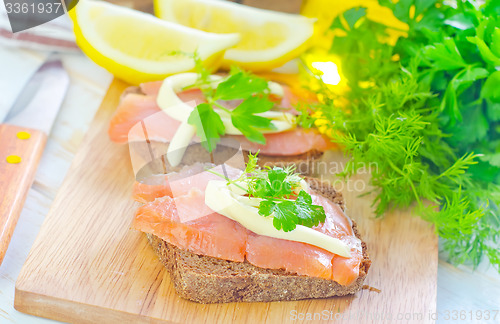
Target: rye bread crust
point(304, 163)
point(207, 279)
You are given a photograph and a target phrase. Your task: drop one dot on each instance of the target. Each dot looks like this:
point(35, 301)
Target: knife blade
point(19, 66)
point(22, 139)
point(40, 100)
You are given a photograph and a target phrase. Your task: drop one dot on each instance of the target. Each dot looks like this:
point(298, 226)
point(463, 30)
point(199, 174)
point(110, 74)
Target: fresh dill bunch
point(468, 224)
point(396, 125)
point(421, 110)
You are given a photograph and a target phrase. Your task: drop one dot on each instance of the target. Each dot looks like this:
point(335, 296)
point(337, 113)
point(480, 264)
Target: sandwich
point(260, 115)
point(253, 235)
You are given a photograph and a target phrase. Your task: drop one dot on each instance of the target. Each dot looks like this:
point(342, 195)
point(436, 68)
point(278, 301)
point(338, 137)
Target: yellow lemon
point(268, 38)
point(138, 47)
point(326, 10)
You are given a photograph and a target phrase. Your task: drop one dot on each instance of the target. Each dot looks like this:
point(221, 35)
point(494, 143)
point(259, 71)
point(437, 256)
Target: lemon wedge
point(268, 38)
point(137, 47)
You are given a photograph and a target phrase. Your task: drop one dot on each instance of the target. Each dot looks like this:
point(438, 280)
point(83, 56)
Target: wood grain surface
point(19, 157)
point(88, 266)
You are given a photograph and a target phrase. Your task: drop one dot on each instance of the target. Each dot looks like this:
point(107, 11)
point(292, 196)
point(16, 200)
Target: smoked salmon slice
point(194, 176)
point(213, 235)
point(346, 270)
point(132, 109)
point(183, 219)
point(157, 187)
point(304, 259)
point(293, 142)
point(125, 125)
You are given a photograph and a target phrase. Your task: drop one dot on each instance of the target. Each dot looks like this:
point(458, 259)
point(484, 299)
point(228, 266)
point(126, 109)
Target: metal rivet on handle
point(23, 135)
point(13, 159)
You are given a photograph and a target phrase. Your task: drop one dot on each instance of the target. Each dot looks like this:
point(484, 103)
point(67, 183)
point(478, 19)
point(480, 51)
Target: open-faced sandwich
point(257, 113)
point(227, 235)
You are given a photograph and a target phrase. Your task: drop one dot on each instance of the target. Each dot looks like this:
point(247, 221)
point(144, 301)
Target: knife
point(23, 136)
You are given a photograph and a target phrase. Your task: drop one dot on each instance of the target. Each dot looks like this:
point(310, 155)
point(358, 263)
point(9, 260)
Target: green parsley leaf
point(287, 214)
point(245, 119)
point(208, 124)
point(423, 5)
point(445, 55)
point(468, 75)
point(352, 16)
point(272, 183)
point(308, 214)
point(485, 51)
point(431, 23)
point(493, 159)
point(491, 88)
point(449, 105)
point(474, 127)
point(495, 41)
point(402, 10)
point(284, 215)
point(277, 187)
point(266, 207)
point(493, 110)
point(461, 81)
point(241, 85)
point(460, 21)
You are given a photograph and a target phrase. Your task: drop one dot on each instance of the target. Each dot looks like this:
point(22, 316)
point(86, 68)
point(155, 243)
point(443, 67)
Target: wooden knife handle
point(20, 151)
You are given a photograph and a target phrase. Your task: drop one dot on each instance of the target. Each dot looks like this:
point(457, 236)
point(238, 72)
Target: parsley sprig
point(281, 194)
point(241, 85)
point(421, 110)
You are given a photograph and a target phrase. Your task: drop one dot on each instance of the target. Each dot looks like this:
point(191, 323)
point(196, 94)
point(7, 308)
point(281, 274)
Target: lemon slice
point(268, 38)
point(137, 47)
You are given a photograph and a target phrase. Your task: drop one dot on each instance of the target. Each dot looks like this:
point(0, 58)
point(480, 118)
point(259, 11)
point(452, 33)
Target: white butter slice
point(180, 142)
point(172, 105)
point(229, 202)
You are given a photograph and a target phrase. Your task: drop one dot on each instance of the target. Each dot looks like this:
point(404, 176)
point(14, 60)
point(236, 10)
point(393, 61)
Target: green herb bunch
point(427, 111)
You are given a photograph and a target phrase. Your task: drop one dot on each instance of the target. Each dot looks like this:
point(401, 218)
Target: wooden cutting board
point(88, 266)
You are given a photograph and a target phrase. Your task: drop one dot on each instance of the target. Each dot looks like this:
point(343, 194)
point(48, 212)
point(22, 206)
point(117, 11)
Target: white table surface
point(459, 289)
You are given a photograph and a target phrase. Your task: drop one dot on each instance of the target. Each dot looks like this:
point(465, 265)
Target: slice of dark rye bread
point(304, 162)
point(207, 279)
